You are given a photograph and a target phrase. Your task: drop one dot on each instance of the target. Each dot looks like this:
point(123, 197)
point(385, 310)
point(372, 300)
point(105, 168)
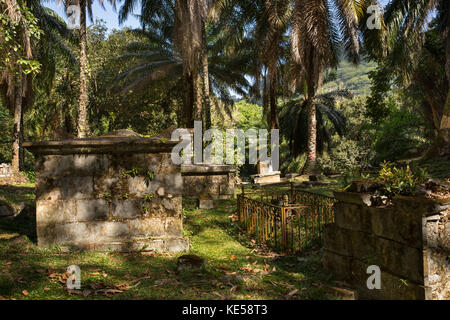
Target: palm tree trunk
point(311, 160)
point(17, 159)
point(206, 93)
point(188, 101)
point(83, 127)
point(273, 104)
point(197, 92)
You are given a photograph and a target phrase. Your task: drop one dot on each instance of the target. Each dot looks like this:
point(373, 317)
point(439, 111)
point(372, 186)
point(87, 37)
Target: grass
point(234, 269)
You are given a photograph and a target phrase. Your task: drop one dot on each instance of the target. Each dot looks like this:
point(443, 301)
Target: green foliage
point(399, 136)
point(249, 116)
point(345, 154)
point(400, 181)
point(379, 105)
point(6, 126)
point(353, 149)
point(15, 24)
point(31, 175)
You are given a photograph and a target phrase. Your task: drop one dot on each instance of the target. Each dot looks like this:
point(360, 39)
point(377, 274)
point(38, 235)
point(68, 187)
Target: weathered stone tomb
point(108, 193)
point(409, 242)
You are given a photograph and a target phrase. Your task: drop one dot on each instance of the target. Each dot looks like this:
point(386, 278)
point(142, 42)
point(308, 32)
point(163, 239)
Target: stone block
point(174, 227)
point(49, 213)
point(352, 216)
point(392, 287)
point(206, 204)
point(386, 223)
point(54, 166)
point(90, 232)
point(64, 188)
point(334, 240)
point(126, 209)
point(401, 260)
point(89, 165)
point(148, 227)
point(353, 197)
point(91, 210)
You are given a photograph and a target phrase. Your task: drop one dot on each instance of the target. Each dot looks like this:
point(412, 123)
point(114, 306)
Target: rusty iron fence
point(288, 220)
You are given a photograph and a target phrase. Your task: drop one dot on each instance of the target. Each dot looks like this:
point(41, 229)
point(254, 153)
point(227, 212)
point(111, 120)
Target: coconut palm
point(314, 48)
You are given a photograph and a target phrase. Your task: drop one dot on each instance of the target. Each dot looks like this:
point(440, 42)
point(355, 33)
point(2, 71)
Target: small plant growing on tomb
point(126, 196)
point(151, 175)
point(107, 195)
point(149, 197)
point(134, 172)
point(400, 181)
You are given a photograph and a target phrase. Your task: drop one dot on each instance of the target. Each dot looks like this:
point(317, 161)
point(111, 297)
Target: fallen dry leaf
point(25, 292)
point(46, 289)
point(233, 257)
point(293, 292)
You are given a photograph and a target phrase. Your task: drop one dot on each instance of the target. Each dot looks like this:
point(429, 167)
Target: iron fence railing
point(289, 220)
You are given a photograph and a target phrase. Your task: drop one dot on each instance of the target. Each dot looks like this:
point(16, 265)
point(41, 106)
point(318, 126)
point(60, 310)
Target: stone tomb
point(409, 241)
point(265, 174)
point(108, 193)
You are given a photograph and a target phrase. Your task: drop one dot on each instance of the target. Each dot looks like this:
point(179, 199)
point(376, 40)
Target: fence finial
point(286, 200)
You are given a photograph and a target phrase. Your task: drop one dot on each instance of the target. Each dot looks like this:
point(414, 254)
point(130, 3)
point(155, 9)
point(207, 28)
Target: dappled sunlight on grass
point(234, 269)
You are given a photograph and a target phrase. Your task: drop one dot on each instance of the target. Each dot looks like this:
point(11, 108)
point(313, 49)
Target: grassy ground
point(234, 269)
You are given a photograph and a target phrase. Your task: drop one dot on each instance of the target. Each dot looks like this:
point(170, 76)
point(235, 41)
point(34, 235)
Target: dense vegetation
point(366, 97)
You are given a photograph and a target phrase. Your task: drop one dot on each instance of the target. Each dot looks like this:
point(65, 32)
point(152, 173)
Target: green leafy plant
point(151, 175)
point(31, 175)
point(149, 197)
point(132, 172)
point(400, 181)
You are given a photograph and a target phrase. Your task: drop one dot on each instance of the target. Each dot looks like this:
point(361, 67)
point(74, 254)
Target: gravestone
point(265, 175)
point(118, 192)
point(216, 181)
point(5, 170)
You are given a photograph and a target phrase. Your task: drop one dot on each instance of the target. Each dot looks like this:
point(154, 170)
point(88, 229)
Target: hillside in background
point(349, 76)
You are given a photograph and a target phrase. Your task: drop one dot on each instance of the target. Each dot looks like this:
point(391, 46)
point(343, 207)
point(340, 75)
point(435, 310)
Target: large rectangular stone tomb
point(108, 193)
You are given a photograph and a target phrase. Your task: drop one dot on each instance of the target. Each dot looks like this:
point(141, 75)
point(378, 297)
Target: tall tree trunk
point(273, 103)
point(311, 160)
point(188, 101)
point(83, 126)
point(206, 93)
point(197, 93)
point(266, 113)
point(17, 159)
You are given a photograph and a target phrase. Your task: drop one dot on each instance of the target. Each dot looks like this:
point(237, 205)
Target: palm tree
point(14, 81)
point(156, 62)
point(189, 24)
point(294, 121)
point(314, 46)
point(403, 38)
point(85, 10)
point(38, 33)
